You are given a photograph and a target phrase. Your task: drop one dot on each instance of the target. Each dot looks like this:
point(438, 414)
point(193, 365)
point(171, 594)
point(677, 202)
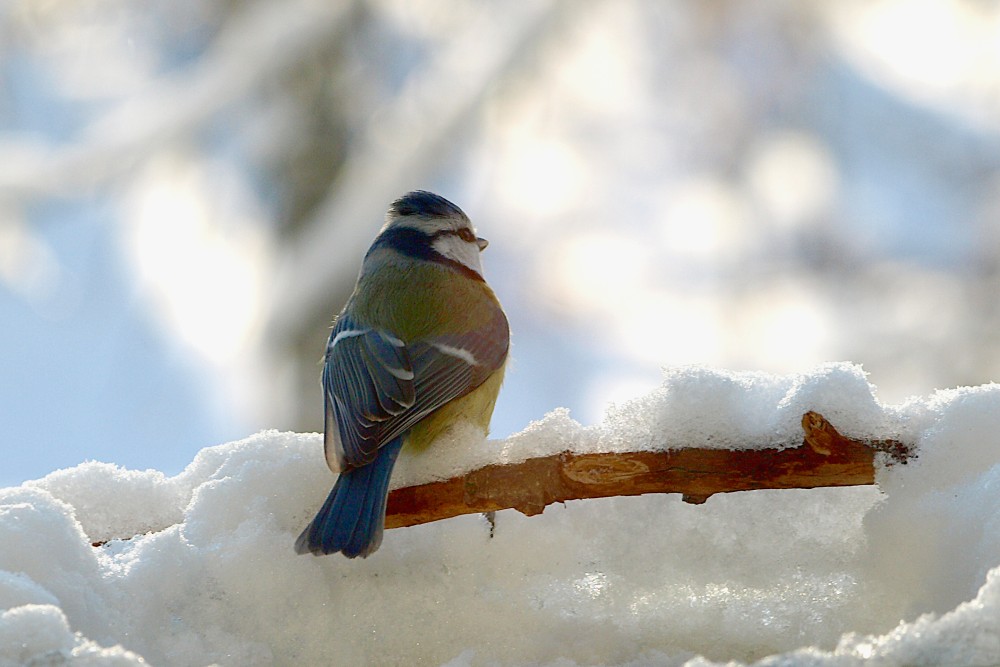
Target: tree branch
point(825, 458)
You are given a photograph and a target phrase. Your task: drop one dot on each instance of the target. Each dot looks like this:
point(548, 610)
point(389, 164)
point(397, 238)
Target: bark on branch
point(825, 458)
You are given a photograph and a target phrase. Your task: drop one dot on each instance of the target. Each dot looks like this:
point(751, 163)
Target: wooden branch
point(825, 458)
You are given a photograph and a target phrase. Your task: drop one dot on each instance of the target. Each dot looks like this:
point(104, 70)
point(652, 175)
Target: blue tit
point(420, 345)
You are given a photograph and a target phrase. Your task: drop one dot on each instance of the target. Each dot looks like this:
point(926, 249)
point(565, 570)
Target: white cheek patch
point(454, 248)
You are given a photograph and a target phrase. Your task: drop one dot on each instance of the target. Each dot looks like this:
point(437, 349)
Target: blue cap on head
point(425, 204)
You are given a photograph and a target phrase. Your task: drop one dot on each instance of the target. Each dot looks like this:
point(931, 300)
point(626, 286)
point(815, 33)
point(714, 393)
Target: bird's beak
point(482, 243)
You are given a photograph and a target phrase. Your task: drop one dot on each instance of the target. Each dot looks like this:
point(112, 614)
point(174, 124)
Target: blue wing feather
point(379, 388)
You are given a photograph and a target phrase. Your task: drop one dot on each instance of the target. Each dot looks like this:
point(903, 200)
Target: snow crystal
point(820, 577)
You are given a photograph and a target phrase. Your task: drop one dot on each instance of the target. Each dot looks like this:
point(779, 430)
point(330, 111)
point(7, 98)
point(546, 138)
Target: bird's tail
point(353, 515)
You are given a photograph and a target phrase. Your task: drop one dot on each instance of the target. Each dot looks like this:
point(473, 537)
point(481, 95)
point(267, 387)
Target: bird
point(420, 346)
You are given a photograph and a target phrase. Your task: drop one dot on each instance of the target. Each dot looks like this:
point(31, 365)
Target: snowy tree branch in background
point(825, 458)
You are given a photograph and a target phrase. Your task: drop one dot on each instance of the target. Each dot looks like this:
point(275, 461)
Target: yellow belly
point(475, 407)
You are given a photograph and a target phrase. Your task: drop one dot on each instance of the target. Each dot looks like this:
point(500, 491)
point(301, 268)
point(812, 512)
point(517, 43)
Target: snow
point(694, 407)
point(904, 573)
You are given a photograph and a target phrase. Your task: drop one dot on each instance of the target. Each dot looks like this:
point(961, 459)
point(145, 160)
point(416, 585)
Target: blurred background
point(187, 189)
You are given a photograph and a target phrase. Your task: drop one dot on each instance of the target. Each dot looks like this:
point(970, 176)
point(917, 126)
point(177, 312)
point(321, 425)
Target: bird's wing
point(377, 387)
point(367, 380)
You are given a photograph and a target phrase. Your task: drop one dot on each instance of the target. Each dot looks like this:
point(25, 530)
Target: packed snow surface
point(199, 569)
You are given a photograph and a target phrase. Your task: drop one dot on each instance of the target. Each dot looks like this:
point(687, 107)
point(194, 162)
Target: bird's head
point(426, 226)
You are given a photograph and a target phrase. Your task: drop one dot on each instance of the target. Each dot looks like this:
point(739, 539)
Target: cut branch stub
point(826, 458)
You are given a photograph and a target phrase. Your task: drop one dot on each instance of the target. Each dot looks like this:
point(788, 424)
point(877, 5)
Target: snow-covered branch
point(209, 574)
point(825, 458)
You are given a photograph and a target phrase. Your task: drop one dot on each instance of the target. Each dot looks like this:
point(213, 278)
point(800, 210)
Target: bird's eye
point(466, 235)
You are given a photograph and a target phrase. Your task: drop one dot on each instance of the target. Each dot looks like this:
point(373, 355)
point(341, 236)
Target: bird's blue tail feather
point(353, 515)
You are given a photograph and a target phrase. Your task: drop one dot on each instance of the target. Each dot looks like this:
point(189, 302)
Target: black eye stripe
point(414, 243)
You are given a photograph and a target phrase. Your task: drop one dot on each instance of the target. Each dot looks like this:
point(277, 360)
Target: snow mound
point(819, 577)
